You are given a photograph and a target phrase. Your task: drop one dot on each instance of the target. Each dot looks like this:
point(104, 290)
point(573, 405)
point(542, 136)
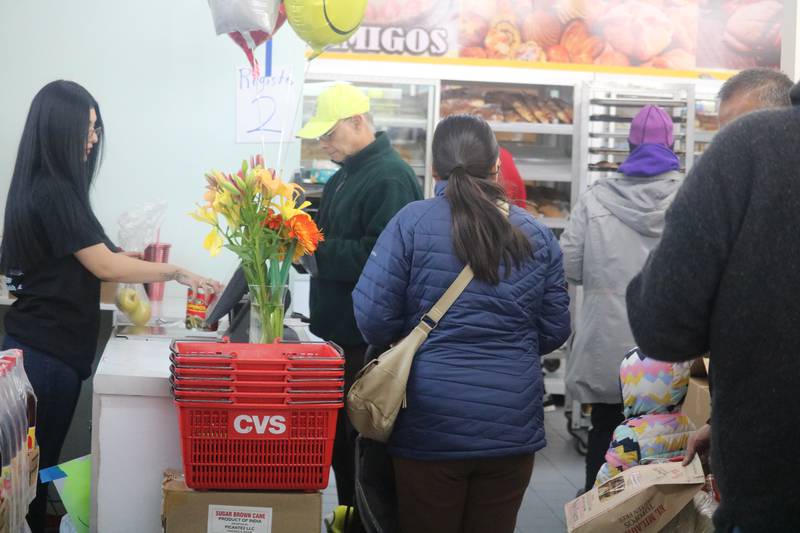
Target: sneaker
point(340, 518)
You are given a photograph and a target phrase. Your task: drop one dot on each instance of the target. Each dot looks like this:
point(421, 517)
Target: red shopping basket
point(183, 384)
point(264, 357)
point(293, 397)
point(257, 446)
point(276, 376)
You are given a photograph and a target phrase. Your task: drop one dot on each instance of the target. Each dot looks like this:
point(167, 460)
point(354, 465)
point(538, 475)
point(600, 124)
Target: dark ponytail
point(465, 153)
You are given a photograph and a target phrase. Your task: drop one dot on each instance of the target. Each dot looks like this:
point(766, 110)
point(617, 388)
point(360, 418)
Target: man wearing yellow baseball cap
point(358, 201)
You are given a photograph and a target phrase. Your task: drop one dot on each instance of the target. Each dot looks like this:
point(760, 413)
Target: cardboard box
point(641, 499)
point(188, 511)
point(697, 405)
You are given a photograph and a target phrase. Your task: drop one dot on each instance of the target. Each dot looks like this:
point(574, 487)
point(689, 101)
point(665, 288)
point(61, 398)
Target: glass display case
point(535, 123)
point(406, 111)
point(706, 120)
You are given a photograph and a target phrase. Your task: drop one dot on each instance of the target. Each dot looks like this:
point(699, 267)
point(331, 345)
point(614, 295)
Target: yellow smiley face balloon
point(322, 23)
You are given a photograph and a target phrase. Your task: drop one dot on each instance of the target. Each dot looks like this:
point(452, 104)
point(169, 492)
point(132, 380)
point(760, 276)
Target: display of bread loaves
point(511, 105)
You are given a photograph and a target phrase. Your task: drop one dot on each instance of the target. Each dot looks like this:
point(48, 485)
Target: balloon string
point(298, 107)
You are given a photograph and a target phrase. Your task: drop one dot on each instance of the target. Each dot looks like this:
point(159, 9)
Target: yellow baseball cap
point(337, 102)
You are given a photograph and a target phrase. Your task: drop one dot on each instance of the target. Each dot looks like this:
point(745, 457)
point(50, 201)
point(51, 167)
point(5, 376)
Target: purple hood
point(649, 160)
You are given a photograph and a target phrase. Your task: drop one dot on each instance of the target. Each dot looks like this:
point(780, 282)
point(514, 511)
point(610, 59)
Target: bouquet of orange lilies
point(266, 228)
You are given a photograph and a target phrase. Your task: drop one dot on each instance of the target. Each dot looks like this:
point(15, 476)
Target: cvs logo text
point(245, 424)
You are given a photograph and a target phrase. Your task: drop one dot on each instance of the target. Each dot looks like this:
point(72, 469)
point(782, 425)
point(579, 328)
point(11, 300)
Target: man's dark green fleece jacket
point(357, 203)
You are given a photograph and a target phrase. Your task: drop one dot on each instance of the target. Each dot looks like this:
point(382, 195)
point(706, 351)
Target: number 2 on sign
point(266, 108)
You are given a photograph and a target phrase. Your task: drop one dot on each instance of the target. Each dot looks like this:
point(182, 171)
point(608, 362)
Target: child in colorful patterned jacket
point(654, 429)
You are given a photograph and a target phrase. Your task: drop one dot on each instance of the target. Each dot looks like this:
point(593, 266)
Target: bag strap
point(431, 319)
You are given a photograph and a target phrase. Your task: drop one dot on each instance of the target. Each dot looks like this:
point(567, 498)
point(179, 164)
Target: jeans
point(57, 387)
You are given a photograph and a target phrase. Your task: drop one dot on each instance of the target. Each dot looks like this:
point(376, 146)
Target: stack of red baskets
point(257, 416)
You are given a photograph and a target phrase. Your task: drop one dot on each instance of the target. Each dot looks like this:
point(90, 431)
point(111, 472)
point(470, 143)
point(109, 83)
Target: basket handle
point(310, 402)
point(306, 391)
point(184, 400)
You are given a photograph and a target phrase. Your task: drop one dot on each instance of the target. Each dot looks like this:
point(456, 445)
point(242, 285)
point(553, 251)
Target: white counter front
point(135, 435)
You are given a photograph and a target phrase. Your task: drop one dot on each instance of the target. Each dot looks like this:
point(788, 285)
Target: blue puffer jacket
point(475, 388)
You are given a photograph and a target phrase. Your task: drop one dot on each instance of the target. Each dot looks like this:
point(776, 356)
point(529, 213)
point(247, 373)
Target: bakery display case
point(706, 120)
point(405, 110)
point(536, 124)
point(606, 113)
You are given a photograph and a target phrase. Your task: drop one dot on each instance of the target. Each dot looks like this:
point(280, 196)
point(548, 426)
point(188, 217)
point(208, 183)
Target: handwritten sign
point(265, 106)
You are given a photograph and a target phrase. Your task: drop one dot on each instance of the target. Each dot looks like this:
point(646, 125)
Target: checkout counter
point(135, 435)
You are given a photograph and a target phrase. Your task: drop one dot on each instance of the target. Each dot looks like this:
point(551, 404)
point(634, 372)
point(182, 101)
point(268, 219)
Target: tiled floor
point(557, 476)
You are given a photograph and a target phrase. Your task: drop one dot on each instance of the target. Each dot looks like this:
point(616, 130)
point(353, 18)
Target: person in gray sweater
point(724, 278)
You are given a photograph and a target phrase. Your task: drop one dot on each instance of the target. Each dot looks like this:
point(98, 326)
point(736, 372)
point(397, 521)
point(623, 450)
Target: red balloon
point(250, 40)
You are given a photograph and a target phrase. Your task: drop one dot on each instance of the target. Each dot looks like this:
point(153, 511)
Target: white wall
point(166, 88)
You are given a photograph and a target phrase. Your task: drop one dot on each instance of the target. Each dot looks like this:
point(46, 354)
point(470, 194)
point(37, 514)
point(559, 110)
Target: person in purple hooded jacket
point(612, 229)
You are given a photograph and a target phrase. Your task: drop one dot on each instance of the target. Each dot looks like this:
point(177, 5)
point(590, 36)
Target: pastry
point(544, 116)
point(611, 57)
point(558, 54)
point(522, 109)
point(472, 31)
point(675, 59)
point(568, 10)
point(509, 115)
point(755, 28)
point(502, 40)
point(581, 46)
point(550, 211)
point(684, 22)
point(490, 113)
point(530, 51)
point(542, 27)
point(638, 30)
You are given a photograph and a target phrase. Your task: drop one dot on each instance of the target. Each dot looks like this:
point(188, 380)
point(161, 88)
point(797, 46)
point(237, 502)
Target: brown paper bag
point(639, 500)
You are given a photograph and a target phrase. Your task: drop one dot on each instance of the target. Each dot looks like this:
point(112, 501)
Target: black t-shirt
point(57, 309)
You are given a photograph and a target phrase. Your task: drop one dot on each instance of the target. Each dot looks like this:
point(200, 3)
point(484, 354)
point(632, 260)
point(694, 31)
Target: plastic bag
point(696, 517)
point(133, 301)
point(141, 226)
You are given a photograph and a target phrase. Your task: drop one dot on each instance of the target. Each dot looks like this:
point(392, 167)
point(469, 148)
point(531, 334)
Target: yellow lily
point(222, 200)
point(233, 214)
point(213, 242)
point(206, 214)
point(287, 207)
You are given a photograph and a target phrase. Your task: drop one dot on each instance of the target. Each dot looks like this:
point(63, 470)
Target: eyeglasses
point(95, 131)
point(328, 136)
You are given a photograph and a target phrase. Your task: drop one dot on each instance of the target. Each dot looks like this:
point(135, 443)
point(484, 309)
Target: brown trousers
point(469, 496)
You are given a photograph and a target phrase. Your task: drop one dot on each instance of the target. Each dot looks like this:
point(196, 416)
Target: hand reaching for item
point(195, 281)
point(699, 443)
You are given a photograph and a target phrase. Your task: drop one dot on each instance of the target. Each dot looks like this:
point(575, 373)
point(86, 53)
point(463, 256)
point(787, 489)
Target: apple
point(141, 314)
point(127, 300)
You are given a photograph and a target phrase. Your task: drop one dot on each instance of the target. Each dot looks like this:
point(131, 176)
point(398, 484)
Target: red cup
point(156, 253)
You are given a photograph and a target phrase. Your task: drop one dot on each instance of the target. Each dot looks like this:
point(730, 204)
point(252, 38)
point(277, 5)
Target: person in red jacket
point(511, 180)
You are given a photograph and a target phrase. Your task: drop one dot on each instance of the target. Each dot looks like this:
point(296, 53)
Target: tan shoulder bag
point(379, 391)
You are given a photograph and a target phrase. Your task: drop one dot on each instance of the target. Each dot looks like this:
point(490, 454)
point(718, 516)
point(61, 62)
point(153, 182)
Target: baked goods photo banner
point(688, 36)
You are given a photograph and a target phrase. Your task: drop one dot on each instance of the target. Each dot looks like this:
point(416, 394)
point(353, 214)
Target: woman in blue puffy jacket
point(463, 449)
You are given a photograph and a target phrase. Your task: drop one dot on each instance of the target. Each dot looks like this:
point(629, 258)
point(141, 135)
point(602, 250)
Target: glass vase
point(266, 313)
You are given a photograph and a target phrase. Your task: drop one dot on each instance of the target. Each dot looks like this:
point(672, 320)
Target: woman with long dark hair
point(463, 448)
point(54, 254)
